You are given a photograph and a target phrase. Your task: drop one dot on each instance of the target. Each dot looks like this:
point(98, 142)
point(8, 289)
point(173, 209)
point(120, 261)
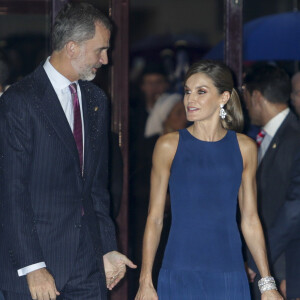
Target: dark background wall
point(25, 34)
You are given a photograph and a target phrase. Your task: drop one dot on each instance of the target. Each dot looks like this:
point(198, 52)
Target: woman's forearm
point(150, 244)
point(254, 237)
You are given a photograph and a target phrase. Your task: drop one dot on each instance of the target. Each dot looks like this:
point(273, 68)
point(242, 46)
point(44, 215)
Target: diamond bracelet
point(267, 284)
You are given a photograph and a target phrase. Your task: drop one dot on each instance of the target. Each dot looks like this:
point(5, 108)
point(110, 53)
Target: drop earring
point(223, 113)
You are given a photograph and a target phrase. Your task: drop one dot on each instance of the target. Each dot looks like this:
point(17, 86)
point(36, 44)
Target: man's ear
point(72, 49)
point(256, 97)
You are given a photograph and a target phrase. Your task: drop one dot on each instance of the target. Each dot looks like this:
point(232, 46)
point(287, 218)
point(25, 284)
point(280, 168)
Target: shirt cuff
point(31, 268)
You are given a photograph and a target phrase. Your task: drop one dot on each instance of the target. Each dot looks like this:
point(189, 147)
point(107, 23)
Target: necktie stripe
point(259, 138)
point(77, 128)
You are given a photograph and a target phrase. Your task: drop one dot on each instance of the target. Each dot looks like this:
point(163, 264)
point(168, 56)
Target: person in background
point(206, 167)
point(267, 90)
point(57, 240)
point(172, 117)
point(295, 94)
point(152, 85)
point(147, 116)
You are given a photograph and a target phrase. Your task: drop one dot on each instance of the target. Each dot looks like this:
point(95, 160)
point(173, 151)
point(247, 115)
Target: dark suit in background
point(267, 91)
point(42, 187)
point(284, 236)
point(278, 187)
point(284, 231)
point(278, 192)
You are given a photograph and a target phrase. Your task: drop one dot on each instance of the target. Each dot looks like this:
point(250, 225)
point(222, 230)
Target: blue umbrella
point(274, 37)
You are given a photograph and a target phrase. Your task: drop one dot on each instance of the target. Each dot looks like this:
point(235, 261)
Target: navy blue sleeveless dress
point(203, 257)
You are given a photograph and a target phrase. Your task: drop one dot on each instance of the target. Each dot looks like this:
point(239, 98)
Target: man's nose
point(104, 58)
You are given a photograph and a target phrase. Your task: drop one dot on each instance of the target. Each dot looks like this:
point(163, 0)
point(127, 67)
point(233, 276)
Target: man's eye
point(187, 92)
point(201, 92)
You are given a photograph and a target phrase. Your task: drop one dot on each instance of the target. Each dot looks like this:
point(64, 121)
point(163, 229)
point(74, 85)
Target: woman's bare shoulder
point(246, 142)
point(169, 140)
point(166, 146)
point(248, 147)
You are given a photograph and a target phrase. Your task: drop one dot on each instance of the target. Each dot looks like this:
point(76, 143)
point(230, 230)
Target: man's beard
point(84, 71)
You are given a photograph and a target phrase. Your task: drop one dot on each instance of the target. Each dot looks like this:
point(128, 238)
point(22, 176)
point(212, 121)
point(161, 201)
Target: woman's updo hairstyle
point(222, 79)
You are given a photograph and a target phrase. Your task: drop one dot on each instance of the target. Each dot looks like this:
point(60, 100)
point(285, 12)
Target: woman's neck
point(208, 132)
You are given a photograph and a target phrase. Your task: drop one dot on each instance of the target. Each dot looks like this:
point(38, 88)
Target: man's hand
point(41, 285)
point(115, 267)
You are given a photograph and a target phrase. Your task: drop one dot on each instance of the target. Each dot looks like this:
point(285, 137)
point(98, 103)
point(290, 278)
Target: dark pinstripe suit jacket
point(42, 190)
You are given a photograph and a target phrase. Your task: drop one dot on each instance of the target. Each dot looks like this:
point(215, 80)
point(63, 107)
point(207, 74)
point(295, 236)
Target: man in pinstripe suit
point(57, 240)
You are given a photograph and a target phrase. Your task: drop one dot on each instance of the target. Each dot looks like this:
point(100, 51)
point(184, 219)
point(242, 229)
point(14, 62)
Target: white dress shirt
point(271, 128)
point(61, 88)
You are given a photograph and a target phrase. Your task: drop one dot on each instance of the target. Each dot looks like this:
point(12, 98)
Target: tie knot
point(73, 88)
point(260, 136)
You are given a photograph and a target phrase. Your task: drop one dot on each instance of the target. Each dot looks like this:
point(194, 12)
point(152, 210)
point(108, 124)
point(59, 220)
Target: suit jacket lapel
point(48, 101)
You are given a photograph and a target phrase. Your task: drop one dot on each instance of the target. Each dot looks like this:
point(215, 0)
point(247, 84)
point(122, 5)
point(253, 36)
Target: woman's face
point(202, 99)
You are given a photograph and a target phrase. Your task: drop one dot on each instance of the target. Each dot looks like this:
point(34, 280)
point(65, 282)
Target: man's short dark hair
point(273, 83)
point(76, 22)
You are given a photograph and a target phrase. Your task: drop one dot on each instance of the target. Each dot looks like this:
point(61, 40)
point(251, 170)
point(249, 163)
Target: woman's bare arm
point(163, 155)
point(250, 223)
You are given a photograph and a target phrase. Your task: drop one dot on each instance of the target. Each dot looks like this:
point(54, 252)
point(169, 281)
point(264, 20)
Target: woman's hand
point(146, 292)
point(271, 295)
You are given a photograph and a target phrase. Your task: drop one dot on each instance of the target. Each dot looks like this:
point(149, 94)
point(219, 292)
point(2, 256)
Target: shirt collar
point(272, 126)
point(58, 81)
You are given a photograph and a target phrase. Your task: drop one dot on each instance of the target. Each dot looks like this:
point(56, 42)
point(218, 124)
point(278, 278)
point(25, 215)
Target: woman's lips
point(192, 109)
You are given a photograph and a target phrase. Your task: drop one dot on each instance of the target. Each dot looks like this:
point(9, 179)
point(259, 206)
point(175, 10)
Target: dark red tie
point(77, 128)
point(259, 138)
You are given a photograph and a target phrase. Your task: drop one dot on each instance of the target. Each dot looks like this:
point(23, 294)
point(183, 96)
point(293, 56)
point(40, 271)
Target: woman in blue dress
point(207, 167)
